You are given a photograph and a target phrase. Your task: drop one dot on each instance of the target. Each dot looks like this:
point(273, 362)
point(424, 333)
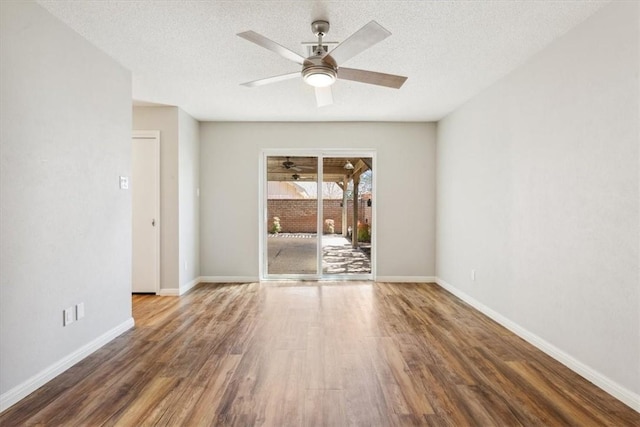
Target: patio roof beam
point(333, 168)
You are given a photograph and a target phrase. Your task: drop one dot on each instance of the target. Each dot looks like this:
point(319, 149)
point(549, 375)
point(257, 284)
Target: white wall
point(538, 192)
point(66, 226)
point(189, 209)
point(405, 202)
point(165, 119)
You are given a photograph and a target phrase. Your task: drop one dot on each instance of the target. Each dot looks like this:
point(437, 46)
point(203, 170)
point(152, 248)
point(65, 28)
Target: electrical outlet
point(68, 316)
point(79, 311)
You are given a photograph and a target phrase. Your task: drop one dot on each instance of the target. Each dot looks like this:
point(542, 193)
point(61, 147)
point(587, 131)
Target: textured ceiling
point(186, 53)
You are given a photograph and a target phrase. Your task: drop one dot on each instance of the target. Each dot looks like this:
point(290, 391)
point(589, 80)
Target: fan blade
point(266, 43)
point(371, 77)
point(273, 79)
point(324, 96)
point(359, 41)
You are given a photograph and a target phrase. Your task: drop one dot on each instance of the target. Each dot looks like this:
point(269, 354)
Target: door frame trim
point(155, 135)
point(320, 153)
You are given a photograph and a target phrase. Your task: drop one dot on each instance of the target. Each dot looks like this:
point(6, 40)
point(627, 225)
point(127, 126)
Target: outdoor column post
point(345, 180)
point(354, 234)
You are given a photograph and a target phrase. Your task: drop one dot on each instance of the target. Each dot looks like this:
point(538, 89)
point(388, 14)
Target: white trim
point(262, 214)
point(176, 292)
point(319, 213)
point(374, 214)
point(229, 279)
point(407, 279)
point(616, 390)
point(319, 279)
point(22, 390)
point(320, 153)
point(151, 134)
point(186, 288)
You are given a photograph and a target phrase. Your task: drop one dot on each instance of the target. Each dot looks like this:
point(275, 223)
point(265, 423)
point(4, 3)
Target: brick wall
point(299, 215)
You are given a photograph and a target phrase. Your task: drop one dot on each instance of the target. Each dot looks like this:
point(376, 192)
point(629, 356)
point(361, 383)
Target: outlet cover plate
point(68, 316)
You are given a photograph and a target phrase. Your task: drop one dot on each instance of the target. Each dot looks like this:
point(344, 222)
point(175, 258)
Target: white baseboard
point(176, 292)
point(21, 391)
point(406, 279)
point(185, 288)
point(621, 393)
point(229, 279)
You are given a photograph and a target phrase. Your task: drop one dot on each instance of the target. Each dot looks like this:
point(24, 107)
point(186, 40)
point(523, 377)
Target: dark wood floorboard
point(317, 354)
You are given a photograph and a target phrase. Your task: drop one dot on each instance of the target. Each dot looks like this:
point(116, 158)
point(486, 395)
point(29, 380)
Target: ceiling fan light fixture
point(348, 166)
point(319, 76)
point(320, 69)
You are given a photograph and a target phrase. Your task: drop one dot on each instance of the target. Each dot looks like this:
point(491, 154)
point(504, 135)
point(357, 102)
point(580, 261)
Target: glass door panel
point(346, 200)
point(292, 215)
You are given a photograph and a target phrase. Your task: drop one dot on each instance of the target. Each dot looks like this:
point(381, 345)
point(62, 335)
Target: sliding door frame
point(320, 155)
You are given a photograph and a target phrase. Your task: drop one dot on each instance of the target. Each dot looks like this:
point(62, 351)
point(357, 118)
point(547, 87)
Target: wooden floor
point(317, 354)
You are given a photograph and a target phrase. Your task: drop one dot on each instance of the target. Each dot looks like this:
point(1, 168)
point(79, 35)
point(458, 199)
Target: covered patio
point(295, 253)
point(345, 172)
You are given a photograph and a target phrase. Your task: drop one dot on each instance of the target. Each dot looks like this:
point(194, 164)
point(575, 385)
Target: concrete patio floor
point(296, 254)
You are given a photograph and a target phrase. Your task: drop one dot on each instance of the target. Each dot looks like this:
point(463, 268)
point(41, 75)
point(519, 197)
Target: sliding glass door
point(317, 215)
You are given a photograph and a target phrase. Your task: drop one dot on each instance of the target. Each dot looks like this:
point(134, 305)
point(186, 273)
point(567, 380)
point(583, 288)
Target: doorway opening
point(318, 215)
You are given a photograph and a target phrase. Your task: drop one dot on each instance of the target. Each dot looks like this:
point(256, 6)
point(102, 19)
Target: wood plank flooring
point(317, 354)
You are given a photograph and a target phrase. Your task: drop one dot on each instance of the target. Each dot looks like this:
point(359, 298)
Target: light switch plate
point(79, 311)
point(124, 182)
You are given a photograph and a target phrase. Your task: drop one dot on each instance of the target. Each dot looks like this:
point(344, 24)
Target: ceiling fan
point(288, 164)
point(322, 69)
point(297, 177)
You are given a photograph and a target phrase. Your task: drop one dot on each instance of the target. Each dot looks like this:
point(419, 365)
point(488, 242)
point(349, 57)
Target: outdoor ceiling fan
point(288, 164)
point(322, 68)
point(297, 177)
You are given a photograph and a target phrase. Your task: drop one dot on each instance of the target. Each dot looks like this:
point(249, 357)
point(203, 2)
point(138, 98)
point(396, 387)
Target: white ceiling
point(186, 53)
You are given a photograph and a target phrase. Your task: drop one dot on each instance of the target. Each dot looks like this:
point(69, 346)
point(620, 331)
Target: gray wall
point(538, 192)
point(65, 133)
point(229, 158)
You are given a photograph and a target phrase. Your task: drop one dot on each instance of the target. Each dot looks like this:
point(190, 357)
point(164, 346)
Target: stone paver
point(296, 254)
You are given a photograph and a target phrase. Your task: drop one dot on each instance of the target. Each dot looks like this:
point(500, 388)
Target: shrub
point(364, 232)
point(330, 225)
point(276, 227)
